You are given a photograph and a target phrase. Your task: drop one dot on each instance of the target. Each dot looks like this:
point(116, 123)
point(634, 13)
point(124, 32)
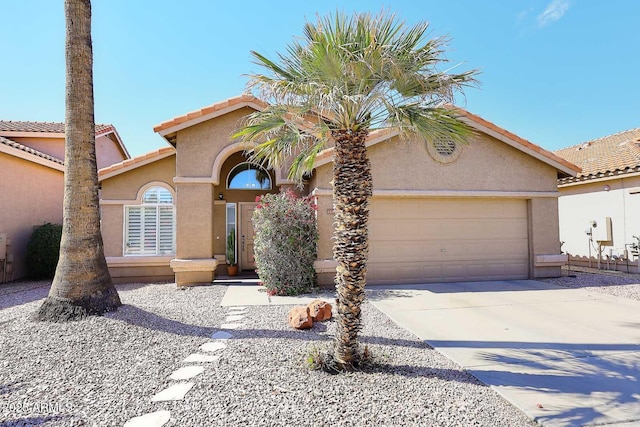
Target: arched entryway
point(241, 182)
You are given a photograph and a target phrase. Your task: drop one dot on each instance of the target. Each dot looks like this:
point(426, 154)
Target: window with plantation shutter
point(150, 227)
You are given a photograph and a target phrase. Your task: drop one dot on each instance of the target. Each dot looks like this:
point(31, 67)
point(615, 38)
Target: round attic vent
point(444, 150)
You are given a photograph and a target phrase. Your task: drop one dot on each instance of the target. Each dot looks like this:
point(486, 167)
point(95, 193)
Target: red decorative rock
point(319, 310)
point(299, 318)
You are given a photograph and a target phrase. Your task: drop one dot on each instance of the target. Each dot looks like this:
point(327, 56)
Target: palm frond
point(430, 123)
point(279, 133)
point(305, 160)
point(355, 73)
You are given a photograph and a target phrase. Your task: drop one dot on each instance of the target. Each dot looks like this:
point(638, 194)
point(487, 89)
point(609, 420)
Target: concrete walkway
point(566, 357)
point(247, 292)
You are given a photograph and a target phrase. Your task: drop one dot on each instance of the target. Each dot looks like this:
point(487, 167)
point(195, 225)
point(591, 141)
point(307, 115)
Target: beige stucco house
point(31, 182)
point(599, 209)
point(486, 210)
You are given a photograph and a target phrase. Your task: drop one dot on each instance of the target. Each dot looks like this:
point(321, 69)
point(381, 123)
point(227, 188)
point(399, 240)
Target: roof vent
point(583, 146)
point(632, 143)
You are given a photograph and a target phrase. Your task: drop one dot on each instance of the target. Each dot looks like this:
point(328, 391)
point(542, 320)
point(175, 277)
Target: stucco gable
point(16, 149)
point(136, 162)
point(169, 128)
point(564, 167)
point(38, 130)
point(484, 165)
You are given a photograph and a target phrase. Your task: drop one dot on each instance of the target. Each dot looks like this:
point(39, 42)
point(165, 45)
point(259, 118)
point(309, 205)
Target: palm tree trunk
point(352, 188)
point(82, 285)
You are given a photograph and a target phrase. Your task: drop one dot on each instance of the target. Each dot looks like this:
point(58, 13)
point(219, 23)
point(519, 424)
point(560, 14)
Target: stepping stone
point(174, 392)
point(213, 346)
point(234, 318)
point(221, 335)
point(186, 372)
point(153, 419)
point(231, 325)
point(237, 313)
point(197, 358)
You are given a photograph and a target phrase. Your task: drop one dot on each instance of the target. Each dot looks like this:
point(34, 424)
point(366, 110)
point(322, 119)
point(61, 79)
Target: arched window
point(150, 227)
point(248, 176)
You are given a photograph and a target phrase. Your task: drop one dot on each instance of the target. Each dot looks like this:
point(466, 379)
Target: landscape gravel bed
point(104, 370)
point(613, 283)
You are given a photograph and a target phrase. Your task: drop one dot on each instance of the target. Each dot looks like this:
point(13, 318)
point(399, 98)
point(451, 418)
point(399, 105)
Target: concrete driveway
point(566, 357)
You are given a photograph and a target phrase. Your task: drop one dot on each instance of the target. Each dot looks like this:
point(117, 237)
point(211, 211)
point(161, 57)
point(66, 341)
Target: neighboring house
point(31, 180)
point(486, 210)
point(600, 207)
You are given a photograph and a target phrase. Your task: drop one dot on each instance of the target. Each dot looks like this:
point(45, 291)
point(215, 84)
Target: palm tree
point(346, 77)
point(82, 285)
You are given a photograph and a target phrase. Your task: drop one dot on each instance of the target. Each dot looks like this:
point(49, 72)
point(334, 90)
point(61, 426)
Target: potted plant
point(232, 267)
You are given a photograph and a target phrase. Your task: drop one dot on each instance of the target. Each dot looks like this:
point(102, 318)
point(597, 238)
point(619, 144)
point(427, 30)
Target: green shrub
point(43, 251)
point(285, 243)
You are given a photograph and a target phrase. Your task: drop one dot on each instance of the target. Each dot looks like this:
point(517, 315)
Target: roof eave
point(27, 134)
point(601, 176)
point(61, 135)
point(169, 129)
point(15, 152)
point(134, 163)
point(478, 123)
point(113, 131)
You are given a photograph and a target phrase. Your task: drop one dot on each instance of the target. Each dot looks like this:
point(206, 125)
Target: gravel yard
point(104, 370)
point(614, 283)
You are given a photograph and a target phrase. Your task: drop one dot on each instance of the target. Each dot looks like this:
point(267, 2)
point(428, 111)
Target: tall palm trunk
point(352, 188)
point(82, 284)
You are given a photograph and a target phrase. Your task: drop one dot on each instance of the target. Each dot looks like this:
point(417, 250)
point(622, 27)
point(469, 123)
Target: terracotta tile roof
point(513, 137)
point(102, 128)
point(327, 153)
point(132, 163)
point(606, 156)
point(208, 110)
point(45, 127)
point(10, 143)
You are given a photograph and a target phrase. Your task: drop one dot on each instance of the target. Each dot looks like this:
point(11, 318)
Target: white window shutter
point(166, 228)
point(133, 236)
point(150, 228)
point(150, 233)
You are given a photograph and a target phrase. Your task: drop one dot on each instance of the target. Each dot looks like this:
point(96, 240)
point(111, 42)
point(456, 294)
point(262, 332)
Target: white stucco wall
point(578, 205)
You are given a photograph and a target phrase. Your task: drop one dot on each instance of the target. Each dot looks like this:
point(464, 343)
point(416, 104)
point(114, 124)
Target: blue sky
point(556, 72)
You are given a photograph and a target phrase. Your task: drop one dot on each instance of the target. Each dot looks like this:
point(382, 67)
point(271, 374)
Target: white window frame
point(150, 247)
point(253, 166)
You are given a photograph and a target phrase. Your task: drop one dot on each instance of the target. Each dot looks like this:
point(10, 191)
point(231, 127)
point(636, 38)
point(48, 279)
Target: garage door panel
point(408, 251)
point(411, 229)
point(506, 249)
point(514, 249)
point(402, 251)
point(451, 208)
point(394, 273)
point(425, 240)
point(504, 228)
point(503, 208)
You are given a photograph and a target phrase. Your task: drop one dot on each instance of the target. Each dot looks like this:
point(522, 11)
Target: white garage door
point(431, 240)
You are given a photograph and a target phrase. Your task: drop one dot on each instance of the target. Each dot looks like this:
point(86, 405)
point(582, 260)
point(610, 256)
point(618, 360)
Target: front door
point(245, 242)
